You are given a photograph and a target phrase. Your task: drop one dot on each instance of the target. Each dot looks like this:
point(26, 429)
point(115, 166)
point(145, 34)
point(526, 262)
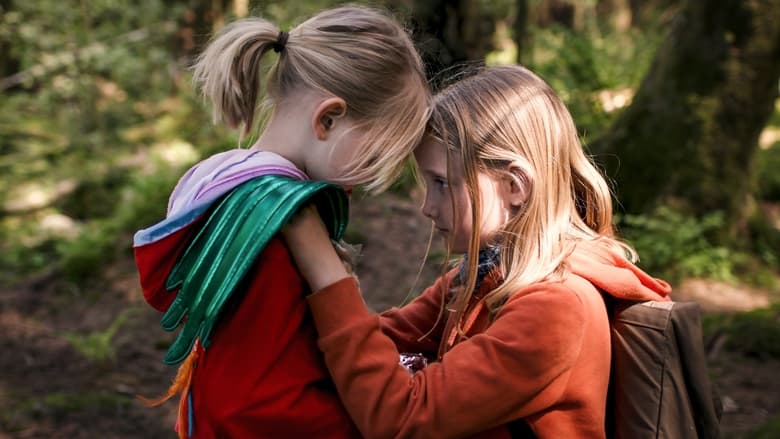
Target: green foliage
point(102, 104)
point(94, 138)
point(673, 245)
point(82, 259)
point(774, 119)
point(143, 202)
point(765, 239)
point(770, 430)
point(289, 14)
point(768, 164)
point(754, 333)
point(60, 404)
point(407, 181)
point(97, 347)
point(757, 332)
point(586, 68)
point(64, 403)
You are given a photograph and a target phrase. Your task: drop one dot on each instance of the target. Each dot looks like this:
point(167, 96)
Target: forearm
point(417, 327)
point(312, 250)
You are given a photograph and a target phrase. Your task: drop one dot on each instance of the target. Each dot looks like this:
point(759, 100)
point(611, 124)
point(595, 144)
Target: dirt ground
point(49, 389)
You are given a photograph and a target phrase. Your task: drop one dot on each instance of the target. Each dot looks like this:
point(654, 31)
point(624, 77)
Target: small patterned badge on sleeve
point(413, 362)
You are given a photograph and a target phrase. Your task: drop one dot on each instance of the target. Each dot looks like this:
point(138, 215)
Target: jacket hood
point(612, 273)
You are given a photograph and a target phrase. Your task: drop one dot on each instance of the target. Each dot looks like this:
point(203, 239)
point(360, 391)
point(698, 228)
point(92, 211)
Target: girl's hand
point(309, 243)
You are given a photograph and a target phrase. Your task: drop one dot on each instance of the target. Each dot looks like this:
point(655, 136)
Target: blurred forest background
point(676, 100)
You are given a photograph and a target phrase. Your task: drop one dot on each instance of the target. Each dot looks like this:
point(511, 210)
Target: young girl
point(518, 333)
point(349, 103)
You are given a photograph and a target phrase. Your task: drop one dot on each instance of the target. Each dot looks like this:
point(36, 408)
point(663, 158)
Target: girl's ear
point(325, 115)
point(518, 184)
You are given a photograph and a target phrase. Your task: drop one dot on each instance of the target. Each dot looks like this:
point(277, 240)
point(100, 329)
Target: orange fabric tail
point(181, 384)
point(183, 420)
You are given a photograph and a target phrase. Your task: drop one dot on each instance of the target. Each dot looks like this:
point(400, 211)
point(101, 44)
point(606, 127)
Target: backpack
point(659, 386)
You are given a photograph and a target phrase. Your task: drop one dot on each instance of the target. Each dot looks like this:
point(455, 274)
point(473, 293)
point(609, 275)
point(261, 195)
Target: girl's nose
point(428, 210)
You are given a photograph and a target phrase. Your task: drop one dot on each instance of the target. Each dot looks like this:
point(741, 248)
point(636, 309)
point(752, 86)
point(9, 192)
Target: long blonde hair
point(356, 53)
point(508, 114)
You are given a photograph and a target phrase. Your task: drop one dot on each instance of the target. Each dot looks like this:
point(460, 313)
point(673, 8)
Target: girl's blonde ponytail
point(228, 71)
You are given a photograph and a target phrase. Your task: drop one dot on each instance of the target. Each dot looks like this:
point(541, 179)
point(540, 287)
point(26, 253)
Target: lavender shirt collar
point(208, 180)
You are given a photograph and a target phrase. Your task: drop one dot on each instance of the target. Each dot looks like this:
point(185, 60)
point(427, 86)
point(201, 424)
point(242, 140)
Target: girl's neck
point(280, 138)
point(287, 132)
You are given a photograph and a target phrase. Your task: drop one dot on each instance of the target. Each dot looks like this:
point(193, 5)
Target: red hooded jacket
point(262, 376)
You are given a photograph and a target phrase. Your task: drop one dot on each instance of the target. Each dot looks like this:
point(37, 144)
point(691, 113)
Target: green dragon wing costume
point(235, 233)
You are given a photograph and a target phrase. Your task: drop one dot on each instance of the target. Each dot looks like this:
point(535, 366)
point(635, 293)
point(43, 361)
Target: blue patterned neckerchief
point(488, 260)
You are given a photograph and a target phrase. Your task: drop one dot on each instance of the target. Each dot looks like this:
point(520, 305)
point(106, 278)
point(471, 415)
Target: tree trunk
point(690, 135)
point(643, 11)
point(9, 63)
point(450, 32)
point(566, 13)
point(520, 33)
point(199, 22)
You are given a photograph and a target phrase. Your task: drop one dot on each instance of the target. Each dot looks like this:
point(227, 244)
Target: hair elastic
point(281, 41)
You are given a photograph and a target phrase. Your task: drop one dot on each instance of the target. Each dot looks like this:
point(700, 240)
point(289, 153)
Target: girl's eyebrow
point(433, 173)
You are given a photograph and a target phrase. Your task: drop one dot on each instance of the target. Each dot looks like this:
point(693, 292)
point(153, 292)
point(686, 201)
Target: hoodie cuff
point(337, 306)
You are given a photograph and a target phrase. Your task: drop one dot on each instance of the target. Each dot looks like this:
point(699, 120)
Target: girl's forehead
point(431, 155)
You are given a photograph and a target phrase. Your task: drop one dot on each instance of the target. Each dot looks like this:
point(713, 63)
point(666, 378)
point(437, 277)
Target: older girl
point(518, 332)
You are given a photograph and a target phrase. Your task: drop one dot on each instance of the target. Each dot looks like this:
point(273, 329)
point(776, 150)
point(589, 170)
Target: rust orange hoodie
point(541, 365)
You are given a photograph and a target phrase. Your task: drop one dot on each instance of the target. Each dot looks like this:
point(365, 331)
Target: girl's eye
point(440, 182)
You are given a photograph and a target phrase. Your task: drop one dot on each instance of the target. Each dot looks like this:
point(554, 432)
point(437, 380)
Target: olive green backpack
point(659, 386)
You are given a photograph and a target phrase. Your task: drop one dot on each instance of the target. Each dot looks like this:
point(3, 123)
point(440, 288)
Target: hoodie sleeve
point(518, 367)
point(407, 325)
